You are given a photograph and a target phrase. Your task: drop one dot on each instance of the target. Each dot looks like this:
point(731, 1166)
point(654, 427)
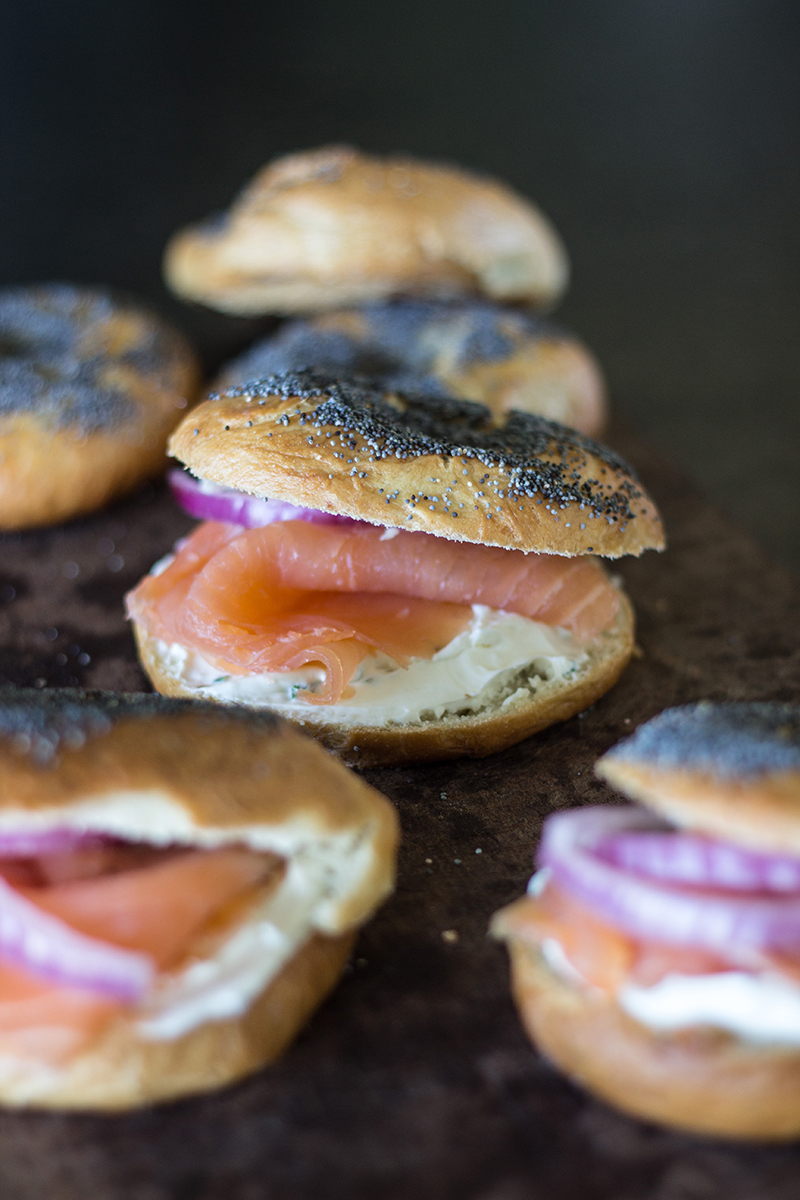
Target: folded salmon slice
point(154, 909)
point(159, 909)
point(293, 593)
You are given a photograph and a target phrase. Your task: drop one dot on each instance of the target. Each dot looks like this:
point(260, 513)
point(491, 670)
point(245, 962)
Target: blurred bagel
point(90, 389)
point(470, 349)
point(187, 780)
point(332, 227)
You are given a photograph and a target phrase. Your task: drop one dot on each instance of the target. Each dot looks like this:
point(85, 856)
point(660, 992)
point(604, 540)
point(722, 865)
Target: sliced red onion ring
point(212, 502)
point(30, 843)
point(722, 921)
point(44, 944)
point(700, 862)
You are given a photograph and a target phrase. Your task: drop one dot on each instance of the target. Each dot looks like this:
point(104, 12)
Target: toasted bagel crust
point(472, 349)
point(700, 1080)
point(731, 770)
point(332, 227)
point(472, 735)
point(435, 464)
point(89, 392)
point(166, 771)
point(120, 1069)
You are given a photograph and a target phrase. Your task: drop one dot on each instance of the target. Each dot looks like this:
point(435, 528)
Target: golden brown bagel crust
point(698, 1080)
point(473, 735)
point(763, 814)
point(731, 770)
point(120, 1069)
point(165, 771)
point(88, 395)
point(332, 227)
point(470, 349)
point(525, 483)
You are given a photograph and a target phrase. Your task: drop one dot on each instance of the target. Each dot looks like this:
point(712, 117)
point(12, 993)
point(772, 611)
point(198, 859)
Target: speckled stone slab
point(414, 1080)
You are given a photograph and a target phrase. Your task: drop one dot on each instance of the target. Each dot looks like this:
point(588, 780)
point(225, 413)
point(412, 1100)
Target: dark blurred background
point(661, 136)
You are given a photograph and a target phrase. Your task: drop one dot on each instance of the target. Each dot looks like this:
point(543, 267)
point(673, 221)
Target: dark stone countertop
point(415, 1078)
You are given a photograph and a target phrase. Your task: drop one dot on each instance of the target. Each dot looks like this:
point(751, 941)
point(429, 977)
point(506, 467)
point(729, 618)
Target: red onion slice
point(701, 862)
point(212, 502)
point(725, 922)
point(44, 944)
point(19, 843)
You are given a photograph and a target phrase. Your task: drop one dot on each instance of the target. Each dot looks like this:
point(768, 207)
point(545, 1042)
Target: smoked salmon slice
point(45, 1021)
point(157, 908)
point(292, 593)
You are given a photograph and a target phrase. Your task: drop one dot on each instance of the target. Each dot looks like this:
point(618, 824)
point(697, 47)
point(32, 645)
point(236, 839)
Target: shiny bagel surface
point(333, 227)
point(90, 388)
point(439, 465)
point(467, 349)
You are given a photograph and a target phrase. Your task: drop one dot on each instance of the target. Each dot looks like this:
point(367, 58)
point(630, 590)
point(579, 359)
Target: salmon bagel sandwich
point(180, 886)
point(91, 385)
point(656, 958)
point(468, 349)
point(333, 227)
point(421, 582)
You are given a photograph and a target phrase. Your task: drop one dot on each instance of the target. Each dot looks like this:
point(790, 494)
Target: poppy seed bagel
point(435, 464)
point(468, 349)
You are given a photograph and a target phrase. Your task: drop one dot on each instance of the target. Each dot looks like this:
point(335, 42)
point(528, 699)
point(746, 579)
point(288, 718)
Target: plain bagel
point(469, 349)
point(90, 388)
point(333, 227)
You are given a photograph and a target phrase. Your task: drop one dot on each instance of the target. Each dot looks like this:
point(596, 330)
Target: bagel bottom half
point(698, 1080)
point(121, 1069)
point(501, 723)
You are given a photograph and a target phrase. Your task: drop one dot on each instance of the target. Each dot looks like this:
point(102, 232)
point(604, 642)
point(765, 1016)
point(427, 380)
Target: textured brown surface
point(415, 1079)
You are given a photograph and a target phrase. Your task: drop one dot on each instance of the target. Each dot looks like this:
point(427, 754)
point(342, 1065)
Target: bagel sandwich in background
point(180, 886)
point(421, 581)
point(333, 227)
point(656, 957)
point(466, 349)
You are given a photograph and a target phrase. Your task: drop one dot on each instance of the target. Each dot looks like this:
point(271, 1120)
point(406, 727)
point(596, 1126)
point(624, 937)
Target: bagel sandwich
point(332, 227)
point(180, 886)
point(470, 349)
point(421, 583)
point(656, 957)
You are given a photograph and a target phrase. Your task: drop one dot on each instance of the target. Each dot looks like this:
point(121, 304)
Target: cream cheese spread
point(474, 670)
point(759, 1008)
point(225, 985)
